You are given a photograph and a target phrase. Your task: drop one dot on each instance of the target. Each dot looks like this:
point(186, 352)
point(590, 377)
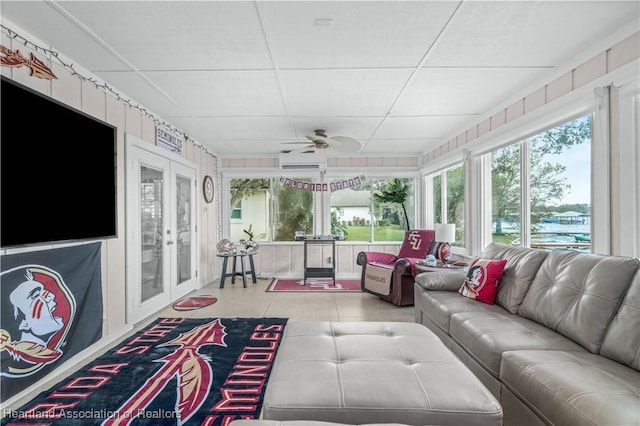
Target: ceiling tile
point(344, 92)
point(398, 146)
point(424, 127)
point(527, 33)
point(460, 90)
point(169, 35)
point(206, 129)
point(368, 34)
point(361, 128)
point(222, 93)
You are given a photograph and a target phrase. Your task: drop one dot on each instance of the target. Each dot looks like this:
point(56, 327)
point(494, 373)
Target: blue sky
point(577, 160)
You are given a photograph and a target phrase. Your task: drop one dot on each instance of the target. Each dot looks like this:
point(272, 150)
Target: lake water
point(551, 232)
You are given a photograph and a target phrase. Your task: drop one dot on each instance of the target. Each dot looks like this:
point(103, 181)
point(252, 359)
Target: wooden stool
point(243, 272)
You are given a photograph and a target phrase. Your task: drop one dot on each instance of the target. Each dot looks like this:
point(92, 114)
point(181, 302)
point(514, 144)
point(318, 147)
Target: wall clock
point(207, 188)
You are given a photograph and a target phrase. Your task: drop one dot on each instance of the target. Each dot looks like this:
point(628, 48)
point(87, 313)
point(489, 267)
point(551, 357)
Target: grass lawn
point(505, 238)
point(363, 233)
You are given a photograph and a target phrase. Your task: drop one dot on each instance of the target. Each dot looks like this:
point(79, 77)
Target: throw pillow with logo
point(440, 250)
point(482, 280)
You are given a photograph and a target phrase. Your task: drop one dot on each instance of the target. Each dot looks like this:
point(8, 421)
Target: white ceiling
point(242, 77)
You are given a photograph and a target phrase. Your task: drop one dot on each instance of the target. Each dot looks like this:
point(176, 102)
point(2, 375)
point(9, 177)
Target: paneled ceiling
point(246, 77)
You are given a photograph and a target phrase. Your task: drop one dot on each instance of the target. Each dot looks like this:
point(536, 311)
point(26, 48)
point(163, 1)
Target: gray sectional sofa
point(561, 344)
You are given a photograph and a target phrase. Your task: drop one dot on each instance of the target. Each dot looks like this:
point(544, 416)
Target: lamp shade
point(445, 232)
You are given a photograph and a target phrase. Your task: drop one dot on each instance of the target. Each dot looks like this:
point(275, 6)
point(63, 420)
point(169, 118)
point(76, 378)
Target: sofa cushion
point(481, 282)
point(577, 294)
point(486, 334)
point(573, 388)
point(522, 265)
point(438, 306)
point(622, 341)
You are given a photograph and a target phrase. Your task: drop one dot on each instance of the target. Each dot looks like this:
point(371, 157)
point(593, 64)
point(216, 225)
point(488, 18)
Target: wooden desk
point(234, 273)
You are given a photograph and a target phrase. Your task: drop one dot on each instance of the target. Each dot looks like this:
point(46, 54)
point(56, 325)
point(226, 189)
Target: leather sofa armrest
point(365, 257)
point(440, 281)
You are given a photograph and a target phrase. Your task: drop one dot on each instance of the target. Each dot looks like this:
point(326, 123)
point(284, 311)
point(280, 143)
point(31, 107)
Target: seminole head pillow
point(482, 280)
point(440, 250)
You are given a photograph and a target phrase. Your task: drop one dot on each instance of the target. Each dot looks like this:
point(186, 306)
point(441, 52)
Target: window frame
point(478, 230)
point(321, 200)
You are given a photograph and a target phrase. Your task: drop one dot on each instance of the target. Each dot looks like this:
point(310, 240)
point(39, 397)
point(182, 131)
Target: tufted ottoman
point(373, 372)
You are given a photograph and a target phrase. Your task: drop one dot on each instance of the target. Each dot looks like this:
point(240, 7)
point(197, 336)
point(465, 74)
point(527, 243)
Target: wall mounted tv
point(57, 171)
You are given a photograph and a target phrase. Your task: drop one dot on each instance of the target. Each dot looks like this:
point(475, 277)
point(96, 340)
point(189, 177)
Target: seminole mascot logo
point(37, 313)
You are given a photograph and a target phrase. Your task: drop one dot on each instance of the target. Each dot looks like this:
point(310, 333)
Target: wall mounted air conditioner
point(308, 161)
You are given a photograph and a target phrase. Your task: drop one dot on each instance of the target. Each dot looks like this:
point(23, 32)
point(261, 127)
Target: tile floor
point(253, 301)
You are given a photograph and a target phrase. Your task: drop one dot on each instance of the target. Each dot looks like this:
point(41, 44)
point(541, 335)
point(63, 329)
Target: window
point(505, 194)
point(377, 209)
point(448, 200)
point(293, 209)
point(351, 215)
point(236, 212)
point(358, 208)
point(249, 206)
point(551, 171)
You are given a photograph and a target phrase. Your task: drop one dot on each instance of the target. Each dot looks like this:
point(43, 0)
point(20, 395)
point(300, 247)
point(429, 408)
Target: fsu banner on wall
point(51, 309)
point(333, 186)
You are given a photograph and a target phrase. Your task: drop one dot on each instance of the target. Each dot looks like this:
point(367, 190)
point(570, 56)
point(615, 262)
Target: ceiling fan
point(320, 142)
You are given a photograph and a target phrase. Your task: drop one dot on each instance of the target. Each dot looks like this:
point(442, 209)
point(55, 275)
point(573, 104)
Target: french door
point(161, 228)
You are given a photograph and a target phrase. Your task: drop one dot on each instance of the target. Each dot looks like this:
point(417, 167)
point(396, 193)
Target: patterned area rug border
point(175, 371)
point(319, 285)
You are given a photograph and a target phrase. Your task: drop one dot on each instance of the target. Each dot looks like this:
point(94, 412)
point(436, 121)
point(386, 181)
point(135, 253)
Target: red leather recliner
point(391, 277)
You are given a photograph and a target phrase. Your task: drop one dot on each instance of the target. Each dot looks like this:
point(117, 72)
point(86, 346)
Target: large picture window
point(371, 209)
point(448, 200)
point(550, 171)
point(379, 209)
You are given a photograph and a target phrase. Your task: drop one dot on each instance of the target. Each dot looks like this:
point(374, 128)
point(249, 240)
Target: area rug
point(314, 285)
point(176, 371)
point(195, 302)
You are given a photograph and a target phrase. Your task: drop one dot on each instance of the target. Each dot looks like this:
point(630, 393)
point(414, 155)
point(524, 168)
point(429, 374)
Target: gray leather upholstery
point(574, 388)
point(576, 294)
point(373, 372)
point(487, 335)
point(571, 354)
point(622, 341)
point(522, 265)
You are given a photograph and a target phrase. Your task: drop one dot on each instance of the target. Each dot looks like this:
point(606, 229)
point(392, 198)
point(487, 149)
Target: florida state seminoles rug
point(195, 302)
point(176, 371)
point(314, 285)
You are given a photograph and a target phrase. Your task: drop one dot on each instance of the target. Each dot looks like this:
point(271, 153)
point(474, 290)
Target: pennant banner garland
point(333, 186)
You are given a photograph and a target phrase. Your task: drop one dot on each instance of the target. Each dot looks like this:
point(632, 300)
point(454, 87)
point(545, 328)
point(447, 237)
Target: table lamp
point(445, 234)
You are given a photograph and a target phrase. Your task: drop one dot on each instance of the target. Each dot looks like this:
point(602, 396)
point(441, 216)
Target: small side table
point(234, 273)
point(423, 267)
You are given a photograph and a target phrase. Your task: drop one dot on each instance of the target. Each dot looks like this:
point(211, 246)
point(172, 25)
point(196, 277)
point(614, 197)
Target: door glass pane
point(505, 194)
point(151, 187)
point(184, 227)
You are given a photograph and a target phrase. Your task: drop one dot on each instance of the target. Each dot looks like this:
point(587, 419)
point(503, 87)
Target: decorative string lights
point(69, 66)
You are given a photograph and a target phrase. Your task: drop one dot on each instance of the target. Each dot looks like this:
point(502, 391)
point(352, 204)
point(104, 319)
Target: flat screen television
point(57, 173)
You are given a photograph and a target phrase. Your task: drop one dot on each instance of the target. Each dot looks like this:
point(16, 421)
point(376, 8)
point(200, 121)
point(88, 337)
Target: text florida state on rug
point(176, 371)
